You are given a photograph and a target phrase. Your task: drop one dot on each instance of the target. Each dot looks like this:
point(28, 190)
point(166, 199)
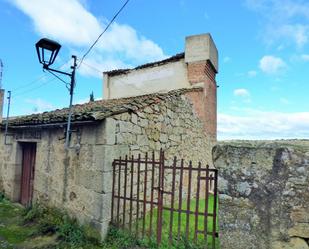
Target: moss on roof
point(97, 110)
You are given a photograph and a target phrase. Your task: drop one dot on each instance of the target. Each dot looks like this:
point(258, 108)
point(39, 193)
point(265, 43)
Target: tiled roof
point(176, 57)
point(97, 110)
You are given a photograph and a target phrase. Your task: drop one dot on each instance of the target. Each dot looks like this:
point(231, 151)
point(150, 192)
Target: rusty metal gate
point(168, 200)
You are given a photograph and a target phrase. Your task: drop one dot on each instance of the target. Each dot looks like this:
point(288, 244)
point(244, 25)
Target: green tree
point(91, 98)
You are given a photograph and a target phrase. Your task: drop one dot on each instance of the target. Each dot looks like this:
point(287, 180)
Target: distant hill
point(299, 144)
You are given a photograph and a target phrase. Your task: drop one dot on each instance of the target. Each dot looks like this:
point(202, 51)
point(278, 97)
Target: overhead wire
point(33, 89)
point(39, 79)
point(106, 28)
point(92, 67)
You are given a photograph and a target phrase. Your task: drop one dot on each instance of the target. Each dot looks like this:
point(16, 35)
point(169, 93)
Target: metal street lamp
point(47, 51)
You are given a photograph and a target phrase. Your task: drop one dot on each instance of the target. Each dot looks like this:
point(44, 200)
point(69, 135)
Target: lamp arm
point(56, 71)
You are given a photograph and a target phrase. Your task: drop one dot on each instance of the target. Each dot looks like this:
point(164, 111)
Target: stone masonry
point(264, 195)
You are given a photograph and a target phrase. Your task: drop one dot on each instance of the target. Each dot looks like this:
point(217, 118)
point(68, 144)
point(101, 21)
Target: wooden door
point(28, 163)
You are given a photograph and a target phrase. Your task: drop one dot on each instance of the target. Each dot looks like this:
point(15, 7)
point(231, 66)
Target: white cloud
point(252, 73)
point(67, 21)
point(305, 57)
point(40, 105)
point(74, 26)
point(96, 65)
point(285, 21)
point(124, 39)
point(271, 65)
point(298, 33)
point(263, 125)
point(241, 92)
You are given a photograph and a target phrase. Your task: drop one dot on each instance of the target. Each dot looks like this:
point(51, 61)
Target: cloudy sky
point(263, 47)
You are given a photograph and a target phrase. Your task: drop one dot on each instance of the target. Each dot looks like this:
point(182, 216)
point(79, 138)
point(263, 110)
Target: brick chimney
point(1, 104)
point(201, 56)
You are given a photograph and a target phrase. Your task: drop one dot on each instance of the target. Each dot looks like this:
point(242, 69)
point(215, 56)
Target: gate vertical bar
point(131, 193)
point(160, 198)
point(188, 200)
point(137, 191)
point(152, 186)
point(214, 231)
point(197, 202)
point(125, 192)
point(180, 200)
point(145, 194)
point(119, 187)
point(172, 201)
point(113, 191)
point(206, 204)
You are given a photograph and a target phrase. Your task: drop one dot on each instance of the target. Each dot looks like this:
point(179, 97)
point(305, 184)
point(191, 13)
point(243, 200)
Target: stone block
point(106, 207)
point(107, 182)
point(134, 118)
point(90, 179)
point(88, 136)
point(300, 230)
point(294, 243)
point(142, 140)
point(104, 229)
point(112, 152)
point(109, 131)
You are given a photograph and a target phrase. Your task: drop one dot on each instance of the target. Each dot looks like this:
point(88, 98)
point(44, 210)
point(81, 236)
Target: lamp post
point(47, 51)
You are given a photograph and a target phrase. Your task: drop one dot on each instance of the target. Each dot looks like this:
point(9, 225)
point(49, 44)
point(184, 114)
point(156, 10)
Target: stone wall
point(264, 195)
point(71, 180)
point(80, 180)
point(173, 126)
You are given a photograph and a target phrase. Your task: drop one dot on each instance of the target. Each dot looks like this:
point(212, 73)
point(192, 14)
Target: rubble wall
point(264, 195)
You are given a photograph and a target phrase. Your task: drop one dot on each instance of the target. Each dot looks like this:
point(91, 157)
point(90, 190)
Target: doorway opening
point(27, 175)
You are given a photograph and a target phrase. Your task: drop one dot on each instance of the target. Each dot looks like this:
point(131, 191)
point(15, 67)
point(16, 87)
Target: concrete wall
point(201, 48)
point(264, 197)
point(163, 78)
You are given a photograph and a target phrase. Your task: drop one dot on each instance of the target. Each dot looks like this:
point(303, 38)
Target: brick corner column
point(201, 56)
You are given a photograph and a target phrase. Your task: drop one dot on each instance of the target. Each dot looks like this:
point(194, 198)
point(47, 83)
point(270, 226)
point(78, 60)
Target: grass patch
point(26, 228)
point(45, 228)
point(116, 238)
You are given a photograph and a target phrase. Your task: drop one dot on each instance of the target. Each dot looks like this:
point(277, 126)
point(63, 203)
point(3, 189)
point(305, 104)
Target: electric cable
point(40, 78)
point(106, 28)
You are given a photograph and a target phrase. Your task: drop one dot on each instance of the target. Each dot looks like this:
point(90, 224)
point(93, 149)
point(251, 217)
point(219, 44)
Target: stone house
point(170, 104)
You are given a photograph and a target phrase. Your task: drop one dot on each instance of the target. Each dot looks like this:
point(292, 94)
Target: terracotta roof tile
point(97, 110)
